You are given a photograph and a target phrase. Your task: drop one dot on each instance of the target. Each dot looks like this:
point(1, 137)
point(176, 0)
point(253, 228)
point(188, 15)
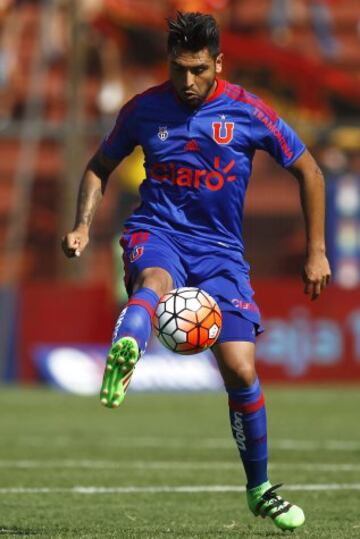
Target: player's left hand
point(316, 274)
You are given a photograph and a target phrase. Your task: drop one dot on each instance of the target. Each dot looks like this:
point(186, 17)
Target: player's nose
point(188, 80)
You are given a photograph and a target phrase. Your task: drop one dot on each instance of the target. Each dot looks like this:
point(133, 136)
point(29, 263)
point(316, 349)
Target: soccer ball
point(187, 320)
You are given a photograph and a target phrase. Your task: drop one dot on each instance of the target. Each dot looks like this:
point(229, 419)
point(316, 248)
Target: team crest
point(163, 132)
point(136, 253)
point(223, 132)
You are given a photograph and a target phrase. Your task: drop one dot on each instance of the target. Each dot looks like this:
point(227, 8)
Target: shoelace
point(271, 496)
point(274, 502)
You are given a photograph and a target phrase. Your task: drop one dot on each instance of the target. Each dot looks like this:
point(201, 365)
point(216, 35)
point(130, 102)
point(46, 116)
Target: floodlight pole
point(74, 144)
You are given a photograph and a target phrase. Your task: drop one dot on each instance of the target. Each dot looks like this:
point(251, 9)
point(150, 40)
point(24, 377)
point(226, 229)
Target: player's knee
point(241, 375)
point(157, 279)
point(236, 363)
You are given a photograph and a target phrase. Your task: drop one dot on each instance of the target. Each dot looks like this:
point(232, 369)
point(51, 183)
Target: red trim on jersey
point(239, 94)
point(142, 303)
point(220, 86)
point(138, 237)
point(125, 261)
point(249, 407)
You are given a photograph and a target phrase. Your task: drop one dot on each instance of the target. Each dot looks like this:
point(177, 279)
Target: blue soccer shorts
point(218, 270)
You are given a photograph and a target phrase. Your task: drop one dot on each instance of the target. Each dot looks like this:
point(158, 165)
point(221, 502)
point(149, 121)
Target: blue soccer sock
point(135, 318)
point(248, 425)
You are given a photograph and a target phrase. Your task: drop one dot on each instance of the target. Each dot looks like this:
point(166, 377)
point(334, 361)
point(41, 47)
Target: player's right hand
point(75, 242)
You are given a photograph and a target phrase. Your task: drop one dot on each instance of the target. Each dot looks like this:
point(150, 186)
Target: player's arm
point(91, 190)
point(119, 143)
point(316, 272)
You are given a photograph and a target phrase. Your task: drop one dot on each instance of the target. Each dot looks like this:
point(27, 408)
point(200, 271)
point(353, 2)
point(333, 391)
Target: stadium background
point(66, 68)
point(164, 465)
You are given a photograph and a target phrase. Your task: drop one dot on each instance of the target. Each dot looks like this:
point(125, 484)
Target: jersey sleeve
point(272, 134)
point(121, 140)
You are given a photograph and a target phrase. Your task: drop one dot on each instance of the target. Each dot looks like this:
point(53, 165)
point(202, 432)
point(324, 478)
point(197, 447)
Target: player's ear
point(218, 63)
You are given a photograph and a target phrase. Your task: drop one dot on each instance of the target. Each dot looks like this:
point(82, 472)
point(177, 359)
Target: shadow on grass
point(236, 532)
point(20, 532)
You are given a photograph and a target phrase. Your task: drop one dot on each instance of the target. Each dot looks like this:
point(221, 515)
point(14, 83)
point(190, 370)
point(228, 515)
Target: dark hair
point(193, 32)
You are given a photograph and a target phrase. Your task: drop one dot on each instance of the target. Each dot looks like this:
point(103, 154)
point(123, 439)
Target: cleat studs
point(120, 363)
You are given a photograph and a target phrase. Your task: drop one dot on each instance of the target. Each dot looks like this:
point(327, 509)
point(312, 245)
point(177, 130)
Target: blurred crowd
point(123, 41)
point(120, 49)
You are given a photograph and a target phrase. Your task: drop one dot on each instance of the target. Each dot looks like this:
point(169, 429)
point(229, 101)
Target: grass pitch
point(154, 468)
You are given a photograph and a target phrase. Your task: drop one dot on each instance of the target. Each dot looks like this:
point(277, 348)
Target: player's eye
point(198, 70)
point(177, 67)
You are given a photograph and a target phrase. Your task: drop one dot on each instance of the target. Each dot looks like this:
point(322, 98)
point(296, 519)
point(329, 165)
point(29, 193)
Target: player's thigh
point(156, 278)
point(150, 261)
point(224, 279)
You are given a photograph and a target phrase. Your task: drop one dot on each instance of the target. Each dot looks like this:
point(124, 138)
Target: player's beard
point(194, 99)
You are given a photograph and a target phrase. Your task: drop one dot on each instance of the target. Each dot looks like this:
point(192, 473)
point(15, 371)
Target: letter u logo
point(219, 135)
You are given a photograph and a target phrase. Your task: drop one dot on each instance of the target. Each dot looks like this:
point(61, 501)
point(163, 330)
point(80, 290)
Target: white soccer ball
point(187, 320)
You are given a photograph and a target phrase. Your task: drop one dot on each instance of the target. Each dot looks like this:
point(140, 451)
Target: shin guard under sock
point(135, 318)
point(248, 424)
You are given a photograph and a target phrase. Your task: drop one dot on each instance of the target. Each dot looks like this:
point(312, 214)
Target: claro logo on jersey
point(189, 177)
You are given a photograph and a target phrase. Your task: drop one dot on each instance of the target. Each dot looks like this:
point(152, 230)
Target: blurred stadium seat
point(74, 67)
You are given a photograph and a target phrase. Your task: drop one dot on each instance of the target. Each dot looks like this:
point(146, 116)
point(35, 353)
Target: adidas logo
point(192, 146)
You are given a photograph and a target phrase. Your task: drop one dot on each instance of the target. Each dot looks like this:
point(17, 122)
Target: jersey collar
point(220, 85)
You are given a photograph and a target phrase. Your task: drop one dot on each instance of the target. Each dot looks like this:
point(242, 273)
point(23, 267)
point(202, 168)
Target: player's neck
point(212, 90)
point(215, 89)
point(209, 96)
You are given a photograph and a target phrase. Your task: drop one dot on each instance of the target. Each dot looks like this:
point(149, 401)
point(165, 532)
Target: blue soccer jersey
point(198, 162)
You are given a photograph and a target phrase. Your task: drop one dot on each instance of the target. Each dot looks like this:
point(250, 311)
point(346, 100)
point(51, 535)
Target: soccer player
point(199, 134)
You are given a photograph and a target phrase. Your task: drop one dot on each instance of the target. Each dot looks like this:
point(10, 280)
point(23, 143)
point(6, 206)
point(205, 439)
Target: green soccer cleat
point(120, 365)
point(262, 500)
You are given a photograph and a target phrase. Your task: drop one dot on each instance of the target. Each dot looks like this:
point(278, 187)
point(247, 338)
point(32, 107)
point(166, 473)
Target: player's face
point(193, 75)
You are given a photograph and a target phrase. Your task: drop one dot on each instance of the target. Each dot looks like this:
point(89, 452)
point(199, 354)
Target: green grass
point(53, 440)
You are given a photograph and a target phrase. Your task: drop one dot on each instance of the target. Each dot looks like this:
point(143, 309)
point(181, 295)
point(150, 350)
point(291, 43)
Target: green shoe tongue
point(259, 490)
